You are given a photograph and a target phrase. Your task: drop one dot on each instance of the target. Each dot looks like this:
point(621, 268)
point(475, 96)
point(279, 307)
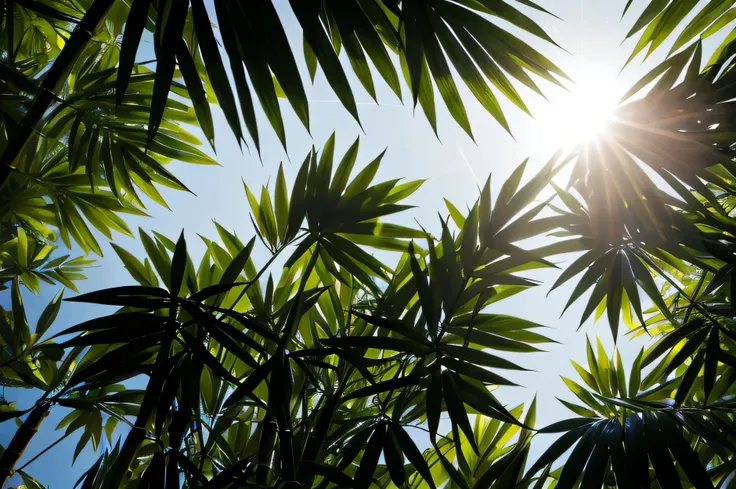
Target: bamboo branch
point(21, 440)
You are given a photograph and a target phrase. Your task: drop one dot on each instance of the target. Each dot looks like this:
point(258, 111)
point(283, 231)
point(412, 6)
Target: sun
point(580, 114)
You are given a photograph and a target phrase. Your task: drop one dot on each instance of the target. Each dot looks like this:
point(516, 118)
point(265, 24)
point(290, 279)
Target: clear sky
point(454, 166)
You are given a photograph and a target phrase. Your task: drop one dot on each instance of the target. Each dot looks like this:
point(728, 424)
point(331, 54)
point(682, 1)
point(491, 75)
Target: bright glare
point(580, 115)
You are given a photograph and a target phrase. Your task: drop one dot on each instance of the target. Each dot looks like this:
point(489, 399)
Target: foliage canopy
point(329, 365)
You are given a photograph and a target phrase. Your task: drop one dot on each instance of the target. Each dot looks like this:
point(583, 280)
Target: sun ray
point(580, 114)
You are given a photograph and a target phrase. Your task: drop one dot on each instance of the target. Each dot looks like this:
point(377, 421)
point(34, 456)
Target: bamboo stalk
point(52, 83)
point(21, 440)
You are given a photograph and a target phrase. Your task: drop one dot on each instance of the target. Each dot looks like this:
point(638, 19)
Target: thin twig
point(427, 431)
point(43, 451)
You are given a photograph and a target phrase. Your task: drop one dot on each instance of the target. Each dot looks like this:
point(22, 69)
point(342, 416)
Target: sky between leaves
point(455, 166)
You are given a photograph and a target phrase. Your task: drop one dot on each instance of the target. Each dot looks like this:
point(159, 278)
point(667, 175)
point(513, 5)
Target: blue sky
point(454, 167)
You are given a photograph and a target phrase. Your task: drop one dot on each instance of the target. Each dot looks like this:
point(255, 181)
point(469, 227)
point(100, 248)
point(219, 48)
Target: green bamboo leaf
point(490, 69)
point(215, 68)
point(632, 291)
point(614, 295)
point(490, 340)
point(670, 65)
point(279, 55)
point(425, 294)
point(510, 186)
point(692, 344)
point(434, 404)
point(49, 314)
point(583, 395)
point(719, 24)
point(567, 425)
point(689, 462)
point(203, 355)
point(233, 346)
point(8, 411)
point(712, 352)
point(661, 462)
point(359, 63)
point(381, 387)
point(360, 256)
point(510, 14)
point(166, 63)
point(635, 378)
point(704, 18)
point(258, 69)
point(238, 264)
point(332, 474)
point(456, 408)
point(620, 375)
point(365, 30)
point(118, 359)
point(232, 49)
point(324, 169)
point(158, 255)
point(579, 410)
point(479, 357)
point(394, 458)
point(136, 269)
point(357, 269)
point(22, 247)
point(129, 47)
point(110, 336)
point(669, 341)
point(78, 228)
point(413, 454)
point(196, 91)
point(587, 377)
point(476, 395)
point(426, 92)
point(475, 372)
point(369, 461)
point(593, 275)
point(575, 463)
point(542, 480)
point(344, 169)
point(455, 214)
point(669, 19)
point(561, 445)
point(690, 375)
point(267, 218)
point(281, 200)
point(394, 325)
point(309, 58)
point(364, 178)
point(307, 15)
point(178, 265)
point(413, 50)
point(297, 207)
point(595, 468)
point(378, 343)
point(47, 11)
point(468, 72)
point(597, 366)
point(441, 72)
point(580, 264)
point(512, 54)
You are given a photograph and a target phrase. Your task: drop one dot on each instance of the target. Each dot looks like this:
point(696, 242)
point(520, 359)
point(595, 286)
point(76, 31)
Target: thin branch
point(62, 438)
point(427, 431)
